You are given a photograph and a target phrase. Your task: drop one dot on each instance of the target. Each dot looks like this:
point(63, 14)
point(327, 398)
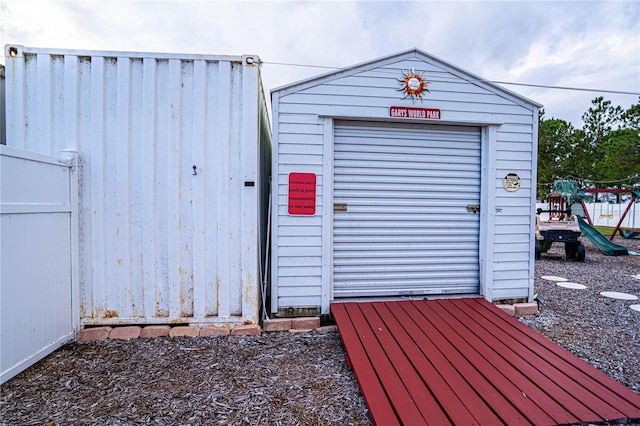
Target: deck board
point(464, 361)
point(528, 371)
point(608, 390)
point(440, 388)
point(552, 375)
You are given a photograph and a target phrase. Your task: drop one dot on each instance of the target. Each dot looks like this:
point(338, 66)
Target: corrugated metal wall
point(171, 151)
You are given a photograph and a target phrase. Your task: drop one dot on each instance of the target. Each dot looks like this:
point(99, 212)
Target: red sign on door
point(302, 194)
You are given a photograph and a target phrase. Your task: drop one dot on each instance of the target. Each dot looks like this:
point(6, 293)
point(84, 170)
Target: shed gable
point(371, 79)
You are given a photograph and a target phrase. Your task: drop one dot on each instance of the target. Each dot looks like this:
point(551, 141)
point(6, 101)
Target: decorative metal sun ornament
point(413, 85)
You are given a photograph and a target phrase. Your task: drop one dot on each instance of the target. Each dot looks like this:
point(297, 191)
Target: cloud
point(595, 49)
point(586, 44)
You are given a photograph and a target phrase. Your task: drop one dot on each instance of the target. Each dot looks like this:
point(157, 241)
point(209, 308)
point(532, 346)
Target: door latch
point(339, 207)
point(473, 208)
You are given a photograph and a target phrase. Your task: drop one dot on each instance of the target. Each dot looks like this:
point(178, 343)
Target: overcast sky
point(586, 44)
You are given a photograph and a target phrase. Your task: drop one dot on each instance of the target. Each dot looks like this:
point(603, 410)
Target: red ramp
point(464, 361)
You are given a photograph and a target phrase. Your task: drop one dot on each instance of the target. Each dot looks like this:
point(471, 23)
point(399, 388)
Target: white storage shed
point(172, 157)
point(404, 176)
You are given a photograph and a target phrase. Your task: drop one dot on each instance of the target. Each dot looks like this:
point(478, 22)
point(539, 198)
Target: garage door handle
point(339, 207)
point(475, 208)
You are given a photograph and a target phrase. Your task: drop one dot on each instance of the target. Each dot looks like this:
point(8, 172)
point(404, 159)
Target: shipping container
point(404, 176)
point(174, 164)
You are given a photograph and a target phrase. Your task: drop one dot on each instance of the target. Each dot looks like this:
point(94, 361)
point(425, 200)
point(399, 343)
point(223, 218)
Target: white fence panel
point(38, 243)
point(609, 214)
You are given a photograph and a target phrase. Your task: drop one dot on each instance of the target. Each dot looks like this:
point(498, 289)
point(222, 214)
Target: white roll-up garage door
point(401, 224)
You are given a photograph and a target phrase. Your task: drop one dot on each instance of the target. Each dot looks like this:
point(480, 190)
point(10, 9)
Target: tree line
point(605, 153)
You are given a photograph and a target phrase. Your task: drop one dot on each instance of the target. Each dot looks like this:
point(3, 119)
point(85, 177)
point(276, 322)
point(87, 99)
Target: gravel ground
point(291, 379)
point(602, 331)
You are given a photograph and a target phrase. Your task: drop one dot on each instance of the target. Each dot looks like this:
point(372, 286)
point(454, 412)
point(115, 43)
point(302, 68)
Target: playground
point(566, 218)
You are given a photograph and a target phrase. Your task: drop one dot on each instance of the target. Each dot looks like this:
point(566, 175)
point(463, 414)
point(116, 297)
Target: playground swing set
point(628, 232)
point(565, 227)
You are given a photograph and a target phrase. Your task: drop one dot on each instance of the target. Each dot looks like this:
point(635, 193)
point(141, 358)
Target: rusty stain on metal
point(182, 302)
point(218, 284)
point(110, 314)
point(248, 297)
point(160, 313)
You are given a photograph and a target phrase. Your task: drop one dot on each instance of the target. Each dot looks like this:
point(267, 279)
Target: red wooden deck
point(464, 361)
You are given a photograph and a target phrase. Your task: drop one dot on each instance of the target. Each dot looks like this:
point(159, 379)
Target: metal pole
point(613, 234)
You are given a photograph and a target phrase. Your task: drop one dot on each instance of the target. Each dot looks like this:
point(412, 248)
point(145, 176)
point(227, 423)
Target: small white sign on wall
point(511, 182)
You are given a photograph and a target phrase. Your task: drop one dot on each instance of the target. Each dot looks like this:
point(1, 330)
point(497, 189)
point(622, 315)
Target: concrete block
point(246, 330)
point(526, 309)
point(92, 334)
point(125, 333)
point(153, 331)
point(184, 331)
point(212, 330)
point(305, 323)
point(277, 324)
point(292, 331)
point(509, 309)
point(327, 329)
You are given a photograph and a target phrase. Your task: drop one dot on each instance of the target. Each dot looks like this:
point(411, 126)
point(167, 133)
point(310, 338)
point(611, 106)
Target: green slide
point(600, 241)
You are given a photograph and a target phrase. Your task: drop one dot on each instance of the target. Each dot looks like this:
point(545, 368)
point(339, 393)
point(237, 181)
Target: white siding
point(303, 135)
point(160, 242)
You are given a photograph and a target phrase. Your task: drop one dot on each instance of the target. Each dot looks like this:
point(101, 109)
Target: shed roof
point(406, 54)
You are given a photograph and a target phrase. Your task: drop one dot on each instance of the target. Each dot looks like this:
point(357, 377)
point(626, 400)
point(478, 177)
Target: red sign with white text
point(413, 112)
point(302, 194)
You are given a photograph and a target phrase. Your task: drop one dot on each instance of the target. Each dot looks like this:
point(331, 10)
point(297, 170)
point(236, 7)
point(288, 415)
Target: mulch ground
point(278, 379)
point(296, 379)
